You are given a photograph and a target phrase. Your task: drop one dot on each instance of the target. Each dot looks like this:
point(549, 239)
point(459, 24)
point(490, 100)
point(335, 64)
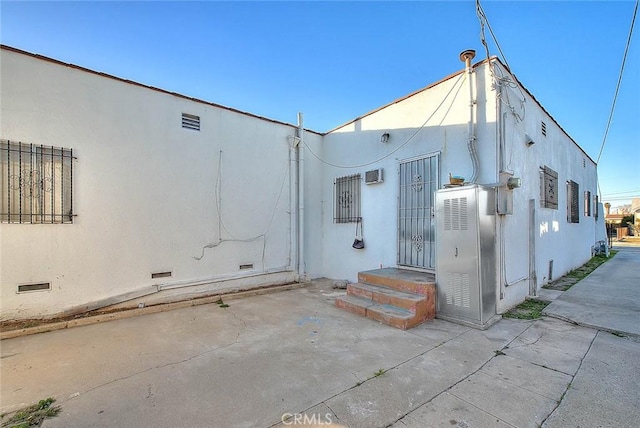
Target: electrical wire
point(262, 236)
point(615, 95)
point(483, 17)
point(623, 198)
point(501, 80)
point(397, 148)
point(623, 192)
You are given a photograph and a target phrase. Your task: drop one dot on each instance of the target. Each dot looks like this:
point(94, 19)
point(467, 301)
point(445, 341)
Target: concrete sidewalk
point(293, 353)
point(608, 299)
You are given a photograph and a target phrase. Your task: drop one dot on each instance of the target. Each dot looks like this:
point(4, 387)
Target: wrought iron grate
point(573, 202)
point(347, 199)
point(36, 184)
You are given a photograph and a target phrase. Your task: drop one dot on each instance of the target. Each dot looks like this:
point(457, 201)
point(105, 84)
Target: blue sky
point(337, 60)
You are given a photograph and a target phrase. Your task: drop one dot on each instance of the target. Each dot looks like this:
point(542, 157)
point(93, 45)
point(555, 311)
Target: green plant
point(530, 309)
point(32, 416)
point(380, 372)
point(222, 304)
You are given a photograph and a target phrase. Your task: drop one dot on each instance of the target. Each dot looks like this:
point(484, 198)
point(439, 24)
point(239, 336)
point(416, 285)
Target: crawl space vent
point(41, 286)
point(160, 275)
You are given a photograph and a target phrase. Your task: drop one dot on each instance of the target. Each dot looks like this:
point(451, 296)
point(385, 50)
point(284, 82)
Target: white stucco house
point(113, 190)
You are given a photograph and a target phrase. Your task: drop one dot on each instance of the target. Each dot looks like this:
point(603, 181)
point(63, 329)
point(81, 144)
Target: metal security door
point(416, 228)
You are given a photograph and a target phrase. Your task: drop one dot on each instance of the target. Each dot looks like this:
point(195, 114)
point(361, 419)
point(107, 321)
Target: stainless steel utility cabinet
point(465, 255)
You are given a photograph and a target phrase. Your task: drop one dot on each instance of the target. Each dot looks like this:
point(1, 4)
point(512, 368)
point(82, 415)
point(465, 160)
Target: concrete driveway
point(608, 299)
point(293, 354)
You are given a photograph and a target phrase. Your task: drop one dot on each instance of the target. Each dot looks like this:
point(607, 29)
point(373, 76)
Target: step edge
point(383, 289)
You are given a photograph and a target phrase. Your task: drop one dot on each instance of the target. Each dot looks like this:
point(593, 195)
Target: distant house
point(112, 190)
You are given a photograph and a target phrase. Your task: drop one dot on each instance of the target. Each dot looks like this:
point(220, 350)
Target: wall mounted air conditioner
point(374, 176)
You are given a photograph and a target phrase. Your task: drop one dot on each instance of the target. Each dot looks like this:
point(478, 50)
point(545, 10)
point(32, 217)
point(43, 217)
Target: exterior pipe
point(466, 57)
point(301, 259)
point(293, 203)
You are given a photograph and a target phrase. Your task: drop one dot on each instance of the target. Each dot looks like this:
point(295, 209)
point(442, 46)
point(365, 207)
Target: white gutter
point(301, 259)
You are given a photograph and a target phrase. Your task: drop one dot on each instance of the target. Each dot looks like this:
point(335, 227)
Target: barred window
point(573, 202)
point(548, 188)
point(347, 199)
point(587, 203)
point(36, 183)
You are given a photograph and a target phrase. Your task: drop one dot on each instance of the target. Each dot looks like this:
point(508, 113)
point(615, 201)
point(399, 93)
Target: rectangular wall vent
point(40, 286)
point(374, 176)
point(155, 275)
point(543, 128)
point(246, 266)
point(190, 121)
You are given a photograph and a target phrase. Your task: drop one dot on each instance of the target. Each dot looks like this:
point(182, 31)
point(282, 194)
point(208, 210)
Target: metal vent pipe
point(466, 57)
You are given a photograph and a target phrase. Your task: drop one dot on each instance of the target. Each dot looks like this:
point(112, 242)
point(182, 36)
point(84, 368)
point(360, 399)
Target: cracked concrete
point(294, 353)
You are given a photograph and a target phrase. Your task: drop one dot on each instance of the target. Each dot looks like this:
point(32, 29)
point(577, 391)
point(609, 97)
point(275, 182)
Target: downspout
point(500, 167)
point(301, 259)
point(466, 57)
point(293, 203)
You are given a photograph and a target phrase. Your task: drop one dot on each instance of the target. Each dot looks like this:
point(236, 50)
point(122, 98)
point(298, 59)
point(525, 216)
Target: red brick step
point(396, 297)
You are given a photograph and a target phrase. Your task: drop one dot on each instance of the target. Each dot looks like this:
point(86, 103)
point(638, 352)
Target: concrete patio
point(292, 352)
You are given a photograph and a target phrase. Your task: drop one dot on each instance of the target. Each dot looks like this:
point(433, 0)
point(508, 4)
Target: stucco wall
point(357, 145)
point(150, 196)
point(145, 189)
point(357, 148)
point(567, 244)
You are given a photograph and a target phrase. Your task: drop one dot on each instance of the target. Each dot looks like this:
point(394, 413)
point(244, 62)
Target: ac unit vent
point(41, 286)
point(190, 121)
point(374, 176)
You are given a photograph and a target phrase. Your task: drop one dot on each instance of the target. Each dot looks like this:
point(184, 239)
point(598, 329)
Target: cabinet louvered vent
point(373, 176)
point(190, 121)
point(457, 289)
point(456, 216)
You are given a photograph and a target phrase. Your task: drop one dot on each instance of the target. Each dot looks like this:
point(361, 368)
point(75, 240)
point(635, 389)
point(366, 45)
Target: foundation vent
point(155, 275)
point(246, 266)
point(40, 286)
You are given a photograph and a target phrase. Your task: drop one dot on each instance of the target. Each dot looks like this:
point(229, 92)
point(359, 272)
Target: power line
point(623, 192)
point(615, 95)
point(483, 20)
point(621, 198)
